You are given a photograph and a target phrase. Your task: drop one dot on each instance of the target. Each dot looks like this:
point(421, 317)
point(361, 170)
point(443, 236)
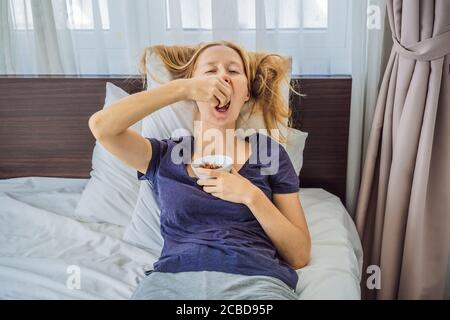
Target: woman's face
point(226, 63)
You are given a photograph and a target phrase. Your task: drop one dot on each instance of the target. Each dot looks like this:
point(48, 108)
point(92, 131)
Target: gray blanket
point(211, 285)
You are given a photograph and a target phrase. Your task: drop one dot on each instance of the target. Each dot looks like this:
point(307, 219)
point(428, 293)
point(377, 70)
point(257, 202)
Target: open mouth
point(224, 108)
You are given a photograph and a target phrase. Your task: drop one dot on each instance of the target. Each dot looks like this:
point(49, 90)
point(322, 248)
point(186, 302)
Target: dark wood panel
point(325, 114)
point(44, 125)
point(44, 129)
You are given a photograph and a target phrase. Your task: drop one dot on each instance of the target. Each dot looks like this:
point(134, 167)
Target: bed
point(46, 252)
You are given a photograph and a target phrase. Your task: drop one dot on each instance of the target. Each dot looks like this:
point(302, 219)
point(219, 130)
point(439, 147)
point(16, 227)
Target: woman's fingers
point(210, 189)
point(210, 185)
point(207, 182)
point(226, 90)
point(221, 97)
point(209, 172)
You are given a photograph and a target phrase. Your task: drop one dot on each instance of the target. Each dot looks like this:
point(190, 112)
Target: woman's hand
point(230, 187)
point(212, 89)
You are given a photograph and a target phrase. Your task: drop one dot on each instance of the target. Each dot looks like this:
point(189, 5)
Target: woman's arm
point(285, 224)
point(111, 126)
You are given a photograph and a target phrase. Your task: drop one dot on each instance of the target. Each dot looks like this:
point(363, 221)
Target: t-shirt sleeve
point(285, 180)
point(159, 149)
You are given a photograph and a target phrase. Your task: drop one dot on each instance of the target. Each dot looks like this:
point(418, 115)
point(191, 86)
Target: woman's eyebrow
point(212, 63)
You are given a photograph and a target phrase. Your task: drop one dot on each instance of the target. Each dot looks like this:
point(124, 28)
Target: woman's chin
point(218, 118)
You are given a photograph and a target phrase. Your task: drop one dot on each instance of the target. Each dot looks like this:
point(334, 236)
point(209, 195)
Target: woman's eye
point(232, 71)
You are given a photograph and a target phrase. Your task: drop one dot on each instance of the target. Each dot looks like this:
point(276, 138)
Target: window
point(315, 14)
point(79, 14)
point(314, 32)
point(22, 17)
point(108, 35)
point(196, 14)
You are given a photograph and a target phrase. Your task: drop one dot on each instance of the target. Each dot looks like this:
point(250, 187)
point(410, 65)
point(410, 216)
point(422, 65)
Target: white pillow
point(112, 191)
point(295, 146)
point(144, 231)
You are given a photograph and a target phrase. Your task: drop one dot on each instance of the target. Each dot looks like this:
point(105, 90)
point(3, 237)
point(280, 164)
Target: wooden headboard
point(44, 126)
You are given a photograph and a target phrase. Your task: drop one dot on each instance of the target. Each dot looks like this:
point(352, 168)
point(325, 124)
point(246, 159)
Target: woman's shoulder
point(180, 139)
point(265, 143)
point(173, 145)
point(175, 140)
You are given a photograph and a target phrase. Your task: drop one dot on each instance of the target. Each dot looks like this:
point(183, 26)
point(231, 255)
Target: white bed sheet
point(41, 240)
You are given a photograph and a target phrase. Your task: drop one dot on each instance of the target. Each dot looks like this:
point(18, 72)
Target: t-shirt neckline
point(243, 168)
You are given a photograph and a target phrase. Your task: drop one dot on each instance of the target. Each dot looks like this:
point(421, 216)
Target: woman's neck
point(213, 140)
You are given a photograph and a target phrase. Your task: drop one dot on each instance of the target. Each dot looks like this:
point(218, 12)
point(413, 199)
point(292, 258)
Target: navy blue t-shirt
point(204, 233)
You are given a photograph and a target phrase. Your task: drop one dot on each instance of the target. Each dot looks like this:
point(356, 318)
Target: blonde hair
point(265, 73)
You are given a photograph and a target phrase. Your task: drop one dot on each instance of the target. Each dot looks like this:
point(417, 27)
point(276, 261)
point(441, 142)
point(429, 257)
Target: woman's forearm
point(292, 243)
point(130, 110)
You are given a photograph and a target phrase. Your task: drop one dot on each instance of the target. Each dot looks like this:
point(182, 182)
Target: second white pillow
point(112, 191)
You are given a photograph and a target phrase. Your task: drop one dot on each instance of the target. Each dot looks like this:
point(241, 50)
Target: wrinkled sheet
point(46, 253)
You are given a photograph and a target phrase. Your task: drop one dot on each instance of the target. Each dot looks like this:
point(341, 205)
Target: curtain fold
point(403, 211)
point(225, 20)
point(9, 50)
point(371, 43)
point(47, 51)
point(176, 23)
point(99, 38)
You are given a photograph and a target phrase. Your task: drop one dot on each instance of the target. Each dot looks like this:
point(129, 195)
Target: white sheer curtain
point(108, 36)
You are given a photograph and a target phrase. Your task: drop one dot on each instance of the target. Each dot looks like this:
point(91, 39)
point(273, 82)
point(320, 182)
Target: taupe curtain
point(403, 210)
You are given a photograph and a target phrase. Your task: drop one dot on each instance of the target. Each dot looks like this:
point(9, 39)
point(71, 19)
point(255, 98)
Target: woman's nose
point(226, 78)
